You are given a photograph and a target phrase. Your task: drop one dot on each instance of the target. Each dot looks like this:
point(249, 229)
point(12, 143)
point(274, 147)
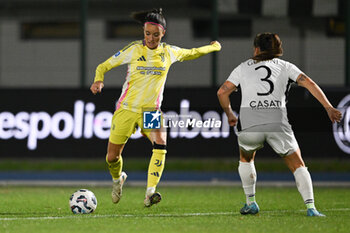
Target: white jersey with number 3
point(264, 87)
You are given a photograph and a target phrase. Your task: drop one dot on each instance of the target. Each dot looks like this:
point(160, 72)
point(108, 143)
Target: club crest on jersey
point(162, 56)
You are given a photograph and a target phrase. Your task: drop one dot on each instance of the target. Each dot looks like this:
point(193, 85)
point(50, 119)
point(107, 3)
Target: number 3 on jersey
point(266, 79)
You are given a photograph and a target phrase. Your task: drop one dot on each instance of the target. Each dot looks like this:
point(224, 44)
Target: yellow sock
point(115, 168)
point(156, 167)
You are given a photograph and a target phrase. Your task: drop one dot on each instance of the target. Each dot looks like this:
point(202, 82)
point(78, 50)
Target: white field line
point(168, 183)
point(157, 215)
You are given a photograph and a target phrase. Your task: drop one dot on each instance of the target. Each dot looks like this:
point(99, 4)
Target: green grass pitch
point(183, 209)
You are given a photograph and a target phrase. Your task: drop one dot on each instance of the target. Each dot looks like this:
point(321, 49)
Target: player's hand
point(216, 42)
point(334, 114)
point(232, 119)
point(96, 87)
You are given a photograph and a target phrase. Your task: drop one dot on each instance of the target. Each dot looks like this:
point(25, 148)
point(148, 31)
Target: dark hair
point(154, 16)
point(270, 46)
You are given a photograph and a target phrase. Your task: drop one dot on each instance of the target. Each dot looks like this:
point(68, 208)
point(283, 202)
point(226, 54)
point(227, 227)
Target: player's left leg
point(303, 181)
point(156, 166)
point(115, 165)
point(123, 125)
point(281, 138)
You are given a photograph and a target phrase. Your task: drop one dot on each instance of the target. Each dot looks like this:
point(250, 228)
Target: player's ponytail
point(153, 16)
point(270, 46)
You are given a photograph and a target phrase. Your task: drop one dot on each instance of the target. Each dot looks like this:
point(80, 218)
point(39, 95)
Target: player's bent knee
point(246, 159)
point(114, 152)
point(294, 161)
point(246, 156)
point(112, 157)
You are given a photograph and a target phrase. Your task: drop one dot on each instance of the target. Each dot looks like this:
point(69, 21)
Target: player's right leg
point(247, 173)
point(115, 165)
point(249, 142)
point(123, 125)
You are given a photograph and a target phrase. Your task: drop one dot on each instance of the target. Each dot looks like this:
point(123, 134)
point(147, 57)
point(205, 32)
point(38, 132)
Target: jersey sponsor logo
point(150, 70)
point(142, 58)
point(263, 104)
point(341, 130)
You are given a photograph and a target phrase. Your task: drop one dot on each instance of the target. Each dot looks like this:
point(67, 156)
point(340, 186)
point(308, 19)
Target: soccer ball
point(83, 201)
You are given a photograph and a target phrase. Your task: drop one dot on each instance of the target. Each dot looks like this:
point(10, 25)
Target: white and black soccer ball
point(83, 201)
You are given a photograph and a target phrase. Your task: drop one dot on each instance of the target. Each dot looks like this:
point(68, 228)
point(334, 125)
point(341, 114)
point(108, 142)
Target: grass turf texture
point(172, 164)
point(195, 209)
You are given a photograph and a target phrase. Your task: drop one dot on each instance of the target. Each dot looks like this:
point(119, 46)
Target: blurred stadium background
point(50, 122)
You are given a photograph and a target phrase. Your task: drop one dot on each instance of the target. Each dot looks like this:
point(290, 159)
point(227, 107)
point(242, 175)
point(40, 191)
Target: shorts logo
point(151, 119)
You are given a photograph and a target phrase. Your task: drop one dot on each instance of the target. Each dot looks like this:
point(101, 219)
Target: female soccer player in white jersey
point(148, 62)
point(264, 81)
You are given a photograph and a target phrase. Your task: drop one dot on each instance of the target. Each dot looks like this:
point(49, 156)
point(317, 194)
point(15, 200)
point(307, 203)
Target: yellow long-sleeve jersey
point(147, 71)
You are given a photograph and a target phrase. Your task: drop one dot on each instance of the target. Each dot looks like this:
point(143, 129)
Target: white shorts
point(280, 137)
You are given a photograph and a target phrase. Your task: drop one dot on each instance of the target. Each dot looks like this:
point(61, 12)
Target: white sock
point(247, 173)
point(150, 191)
point(304, 185)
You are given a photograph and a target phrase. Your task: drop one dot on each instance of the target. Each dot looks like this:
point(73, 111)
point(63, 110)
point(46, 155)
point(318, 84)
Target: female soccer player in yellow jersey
point(148, 62)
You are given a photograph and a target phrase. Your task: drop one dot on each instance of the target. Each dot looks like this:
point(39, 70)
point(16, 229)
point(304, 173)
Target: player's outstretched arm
point(333, 113)
point(190, 54)
point(96, 87)
point(224, 93)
